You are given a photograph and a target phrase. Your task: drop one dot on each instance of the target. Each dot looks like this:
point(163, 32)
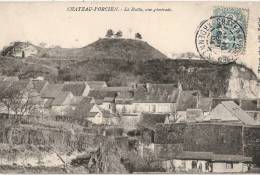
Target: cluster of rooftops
point(85, 94)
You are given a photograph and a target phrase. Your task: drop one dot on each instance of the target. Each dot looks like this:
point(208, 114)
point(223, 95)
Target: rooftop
point(76, 88)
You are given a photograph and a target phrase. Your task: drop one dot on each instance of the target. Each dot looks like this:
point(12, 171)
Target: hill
point(108, 48)
point(105, 48)
point(232, 80)
point(122, 62)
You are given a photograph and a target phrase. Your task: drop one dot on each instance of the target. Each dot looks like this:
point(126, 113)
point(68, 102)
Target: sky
point(170, 32)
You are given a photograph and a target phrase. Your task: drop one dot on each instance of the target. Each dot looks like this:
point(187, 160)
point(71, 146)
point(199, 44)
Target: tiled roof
point(149, 120)
point(76, 88)
point(108, 99)
point(76, 100)
point(249, 105)
point(96, 84)
point(83, 109)
point(193, 115)
point(107, 114)
point(39, 85)
point(205, 104)
point(216, 101)
point(230, 111)
point(201, 155)
point(21, 84)
point(60, 98)
point(118, 89)
point(156, 94)
point(239, 113)
point(162, 87)
point(48, 103)
point(52, 90)
point(100, 94)
point(187, 100)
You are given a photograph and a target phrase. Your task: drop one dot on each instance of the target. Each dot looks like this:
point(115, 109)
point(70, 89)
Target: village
point(184, 130)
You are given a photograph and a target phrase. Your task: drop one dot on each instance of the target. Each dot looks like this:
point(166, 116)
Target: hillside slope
point(127, 61)
point(193, 74)
point(106, 48)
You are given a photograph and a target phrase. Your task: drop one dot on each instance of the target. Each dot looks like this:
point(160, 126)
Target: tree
point(138, 36)
point(17, 101)
point(106, 159)
point(110, 33)
point(23, 54)
point(119, 34)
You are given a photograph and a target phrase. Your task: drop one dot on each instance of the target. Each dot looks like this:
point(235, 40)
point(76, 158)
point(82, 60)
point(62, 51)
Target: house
point(147, 126)
point(40, 85)
point(187, 99)
point(99, 95)
point(51, 91)
point(192, 115)
point(61, 105)
point(205, 162)
point(77, 88)
point(252, 108)
point(153, 98)
point(119, 96)
point(94, 85)
point(48, 95)
point(229, 111)
point(101, 116)
point(186, 147)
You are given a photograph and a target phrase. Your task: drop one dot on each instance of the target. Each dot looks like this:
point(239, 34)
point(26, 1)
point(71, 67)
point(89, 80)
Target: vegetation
point(193, 74)
point(138, 36)
point(109, 33)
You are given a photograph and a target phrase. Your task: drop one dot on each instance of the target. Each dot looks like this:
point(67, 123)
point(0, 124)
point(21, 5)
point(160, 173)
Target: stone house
point(207, 162)
point(150, 98)
point(186, 147)
point(101, 116)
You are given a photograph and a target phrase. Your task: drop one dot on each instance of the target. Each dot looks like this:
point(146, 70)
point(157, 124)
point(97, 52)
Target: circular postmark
point(220, 40)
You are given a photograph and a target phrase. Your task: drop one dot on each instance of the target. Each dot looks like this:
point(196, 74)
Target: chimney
point(113, 105)
point(147, 86)
point(179, 86)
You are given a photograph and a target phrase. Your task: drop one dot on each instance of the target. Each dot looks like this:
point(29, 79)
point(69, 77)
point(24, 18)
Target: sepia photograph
point(130, 87)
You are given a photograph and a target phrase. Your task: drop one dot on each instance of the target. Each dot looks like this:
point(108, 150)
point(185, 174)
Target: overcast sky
point(170, 32)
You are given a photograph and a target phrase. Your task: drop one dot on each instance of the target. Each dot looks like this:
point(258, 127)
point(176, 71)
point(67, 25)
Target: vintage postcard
point(129, 87)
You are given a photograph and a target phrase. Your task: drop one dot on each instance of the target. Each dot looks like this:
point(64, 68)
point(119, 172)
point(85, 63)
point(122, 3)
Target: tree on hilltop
point(109, 33)
point(119, 34)
point(138, 36)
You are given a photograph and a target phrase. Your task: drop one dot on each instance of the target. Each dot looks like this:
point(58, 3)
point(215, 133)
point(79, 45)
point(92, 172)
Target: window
point(194, 164)
point(229, 165)
point(153, 108)
point(123, 109)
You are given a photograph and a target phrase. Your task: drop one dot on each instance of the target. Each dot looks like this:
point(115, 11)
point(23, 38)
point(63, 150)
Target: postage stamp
point(222, 38)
